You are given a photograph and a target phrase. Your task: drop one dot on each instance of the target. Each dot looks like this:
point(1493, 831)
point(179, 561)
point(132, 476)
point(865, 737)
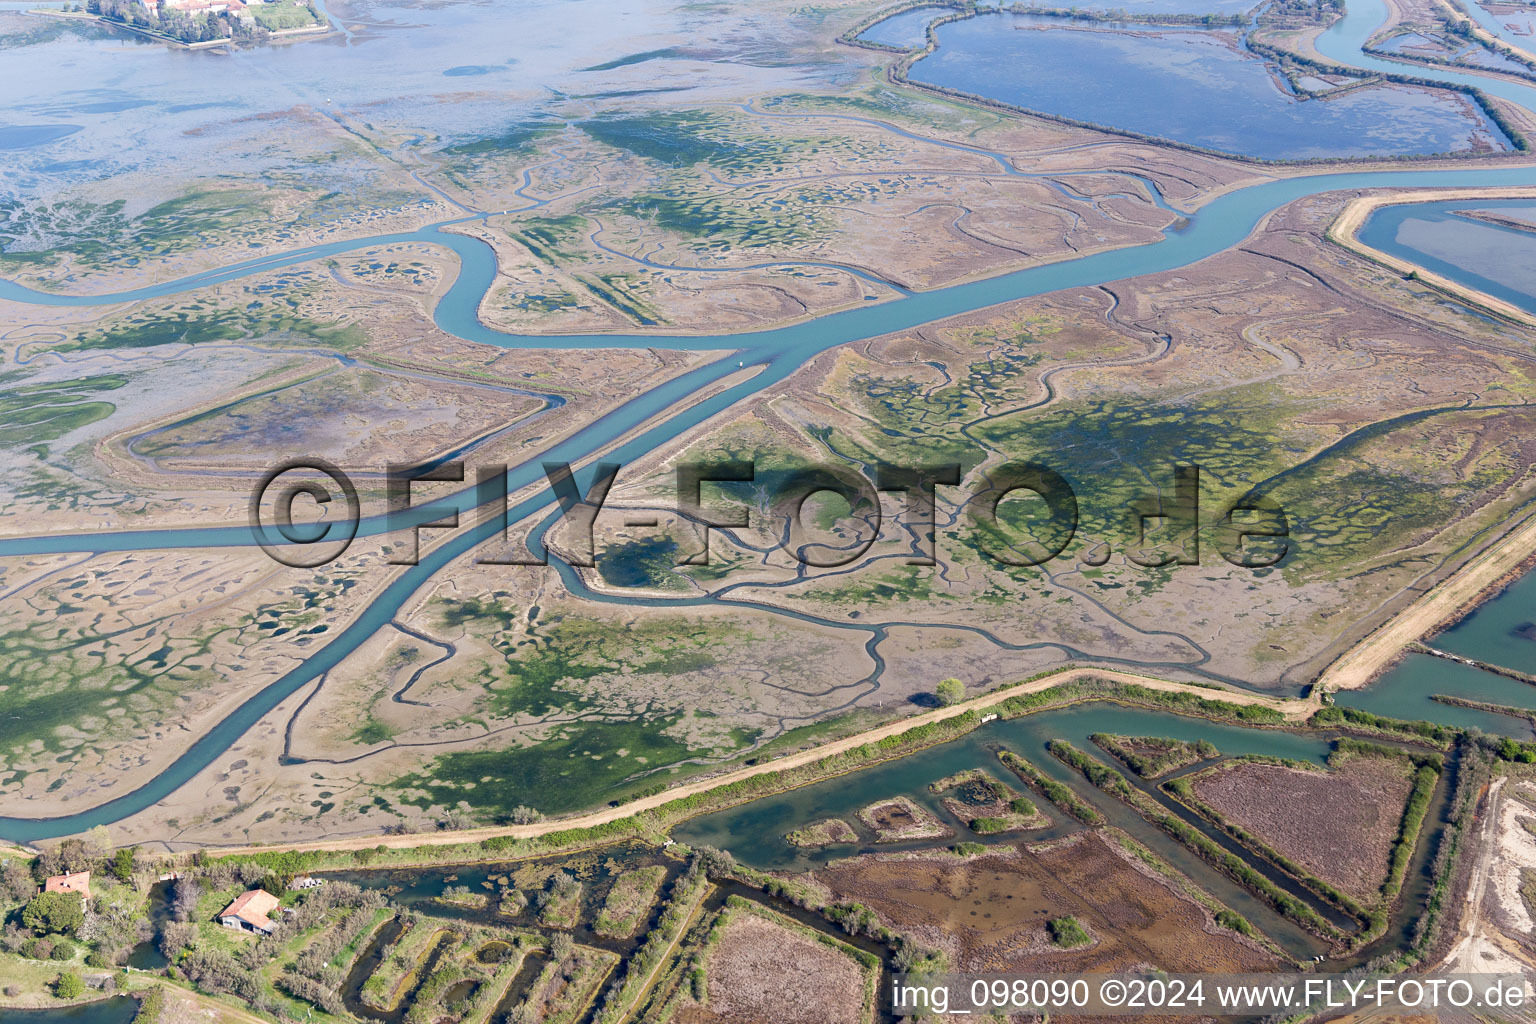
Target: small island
point(201, 24)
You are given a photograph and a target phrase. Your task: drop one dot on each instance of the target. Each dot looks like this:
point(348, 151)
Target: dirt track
point(1293, 708)
point(1360, 664)
point(1342, 231)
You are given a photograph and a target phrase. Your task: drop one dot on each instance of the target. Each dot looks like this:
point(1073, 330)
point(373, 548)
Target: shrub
point(715, 863)
point(62, 950)
point(216, 971)
point(1067, 933)
point(174, 937)
point(1233, 921)
point(68, 986)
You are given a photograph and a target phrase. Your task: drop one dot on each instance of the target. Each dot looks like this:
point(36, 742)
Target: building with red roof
point(251, 911)
point(78, 882)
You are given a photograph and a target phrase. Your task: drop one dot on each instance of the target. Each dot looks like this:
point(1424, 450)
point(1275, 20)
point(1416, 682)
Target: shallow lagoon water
point(1488, 257)
point(904, 29)
point(391, 63)
point(1405, 690)
point(1208, 93)
point(755, 831)
point(1501, 632)
point(25, 136)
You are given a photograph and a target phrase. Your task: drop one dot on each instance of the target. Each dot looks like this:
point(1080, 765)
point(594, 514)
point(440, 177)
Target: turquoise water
point(1343, 39)
point(1498, 260)
point(1499, 632)
point(755, 831)
point(117, 1010)
point(777, 352)
point(1404, 692)
point(773, 353)
point(1205, 92)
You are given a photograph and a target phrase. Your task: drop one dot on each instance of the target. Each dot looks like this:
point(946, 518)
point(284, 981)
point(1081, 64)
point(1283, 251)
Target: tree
point(68, 857)
point(57, 912)
point(174, 937)
point(16, 884)
point(949, 691)
point(714, 863)
point(68, 986)
point(98, 841)
point(121, 865)
point(184, 898)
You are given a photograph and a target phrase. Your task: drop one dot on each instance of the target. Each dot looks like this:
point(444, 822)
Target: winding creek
point(771, 355)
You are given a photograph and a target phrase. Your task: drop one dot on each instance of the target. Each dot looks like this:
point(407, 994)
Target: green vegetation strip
point(1355, 720)
point(491, 991)
point(628, 900)
point(1055, 792)
point(151, 1006)
point(1424, 780)
point(631, 988)
point(1152, 757)
point(1524, 714)
point(399, 967)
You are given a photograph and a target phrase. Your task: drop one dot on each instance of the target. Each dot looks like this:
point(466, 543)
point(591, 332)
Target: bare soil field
point(1340, 824)
point(761, 972)
point(990, 912)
